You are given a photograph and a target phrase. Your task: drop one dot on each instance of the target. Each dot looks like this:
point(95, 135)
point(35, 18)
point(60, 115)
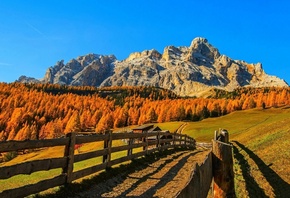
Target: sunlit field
point(261, 141)
point(260, 138)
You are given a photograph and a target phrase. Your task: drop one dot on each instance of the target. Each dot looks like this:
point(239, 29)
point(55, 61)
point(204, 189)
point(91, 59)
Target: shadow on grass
point(73, 189)
point(252, 186)
point(280, 187)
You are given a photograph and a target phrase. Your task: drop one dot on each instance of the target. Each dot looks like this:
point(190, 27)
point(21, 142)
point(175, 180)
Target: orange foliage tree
point(39, 111)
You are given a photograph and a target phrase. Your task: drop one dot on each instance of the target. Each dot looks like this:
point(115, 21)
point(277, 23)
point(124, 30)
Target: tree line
point(42, 111)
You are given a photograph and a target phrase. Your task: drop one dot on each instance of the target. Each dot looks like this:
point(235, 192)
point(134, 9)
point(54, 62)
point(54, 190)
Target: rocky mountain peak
point(201, 47)
point(188, 71)
point(25, 79)
point(87, 59)
point(171, 53)
point(76, 71)
point(152, 54)
point(198, 40)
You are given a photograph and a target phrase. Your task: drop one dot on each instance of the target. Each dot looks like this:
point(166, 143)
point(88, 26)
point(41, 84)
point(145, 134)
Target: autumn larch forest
point(44, 111)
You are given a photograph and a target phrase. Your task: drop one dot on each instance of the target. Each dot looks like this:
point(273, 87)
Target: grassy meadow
point(261, 148)
point(260, 138)
point(46, 153)
point(261, 142)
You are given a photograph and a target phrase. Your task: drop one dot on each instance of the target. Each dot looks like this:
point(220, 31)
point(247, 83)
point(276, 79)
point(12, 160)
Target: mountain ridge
point(188, 71)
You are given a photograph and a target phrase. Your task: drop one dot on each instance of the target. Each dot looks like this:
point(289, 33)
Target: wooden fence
point(150, 142)
point(217, 169)
point(200, 180)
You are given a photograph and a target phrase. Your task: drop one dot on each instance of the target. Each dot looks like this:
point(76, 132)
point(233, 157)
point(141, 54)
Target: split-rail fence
point(216, 171)
point(150, 142)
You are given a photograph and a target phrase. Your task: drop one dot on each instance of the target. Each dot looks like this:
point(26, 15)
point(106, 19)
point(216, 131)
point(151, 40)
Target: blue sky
point(35, 34)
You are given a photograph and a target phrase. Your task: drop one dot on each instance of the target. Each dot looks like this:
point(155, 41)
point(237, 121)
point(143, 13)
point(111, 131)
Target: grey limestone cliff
point(188, 71)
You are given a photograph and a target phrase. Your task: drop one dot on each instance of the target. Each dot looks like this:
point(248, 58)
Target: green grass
point(21, 180)
point(171, 126)
point(261, 140)
point(236, 123)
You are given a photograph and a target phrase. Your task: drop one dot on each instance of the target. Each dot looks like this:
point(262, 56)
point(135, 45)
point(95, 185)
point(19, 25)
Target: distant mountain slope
point(188, 71)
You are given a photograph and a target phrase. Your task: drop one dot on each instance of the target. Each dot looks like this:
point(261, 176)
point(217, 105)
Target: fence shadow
point(169, 176)
point(280, 187)
point(71, 190)
point(146, 177)
point(252, 186)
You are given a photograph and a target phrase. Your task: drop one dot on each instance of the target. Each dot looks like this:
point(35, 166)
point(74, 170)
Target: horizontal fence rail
point(200, 180)
point(147, 142)
point(31, 144)
point(216, 169)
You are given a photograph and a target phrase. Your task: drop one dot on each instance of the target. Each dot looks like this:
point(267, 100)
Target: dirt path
point(162, 178)
point(181, 128)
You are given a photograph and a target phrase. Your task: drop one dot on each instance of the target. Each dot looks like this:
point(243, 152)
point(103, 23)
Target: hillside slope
point(261, 142)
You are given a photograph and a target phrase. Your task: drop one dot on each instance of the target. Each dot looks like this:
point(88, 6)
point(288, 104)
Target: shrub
point(9, 156)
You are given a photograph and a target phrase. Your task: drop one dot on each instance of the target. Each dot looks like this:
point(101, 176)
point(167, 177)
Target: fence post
point(191, 143)
point(69, 154)
point(108, 145)
point(194, 143)
point(145, 140)
point(223, 174)
point(177, 140)
point(184, 141)
point(174, 140)
point(130, 150)
point(158, 140)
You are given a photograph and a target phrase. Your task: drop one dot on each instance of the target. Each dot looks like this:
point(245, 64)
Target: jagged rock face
point(25, 79)
point(90, 70)
point(188, 71)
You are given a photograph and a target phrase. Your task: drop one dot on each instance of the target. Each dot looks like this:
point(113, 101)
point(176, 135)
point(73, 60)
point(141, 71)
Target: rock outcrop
point(91, 69)
point(188, 71)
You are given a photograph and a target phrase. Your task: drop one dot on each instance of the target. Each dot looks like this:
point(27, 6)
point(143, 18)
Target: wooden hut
point(143, 128)
point(154, 129)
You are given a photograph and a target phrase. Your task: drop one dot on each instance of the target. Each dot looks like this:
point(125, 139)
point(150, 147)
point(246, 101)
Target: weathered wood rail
point(156, 143)
point(200, 180)
point(216, 170)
